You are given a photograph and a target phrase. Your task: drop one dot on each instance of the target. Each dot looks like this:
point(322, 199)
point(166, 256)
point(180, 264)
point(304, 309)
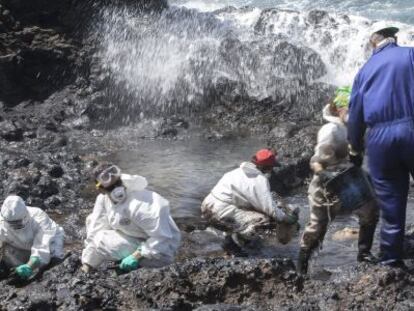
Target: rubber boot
point(396, 264)
point(366, 236)
point(303, 261)
point(231, 247)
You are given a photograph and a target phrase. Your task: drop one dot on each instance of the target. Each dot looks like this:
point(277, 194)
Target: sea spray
point(184, 61)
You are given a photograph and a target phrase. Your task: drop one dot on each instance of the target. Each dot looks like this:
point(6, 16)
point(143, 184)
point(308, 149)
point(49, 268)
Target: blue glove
point(24, 271)
point(129, 263)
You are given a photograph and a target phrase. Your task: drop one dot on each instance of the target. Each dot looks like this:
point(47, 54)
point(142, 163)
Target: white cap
point(14, 208)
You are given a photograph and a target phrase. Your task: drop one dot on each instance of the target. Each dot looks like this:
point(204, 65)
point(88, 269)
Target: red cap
point(264, 157)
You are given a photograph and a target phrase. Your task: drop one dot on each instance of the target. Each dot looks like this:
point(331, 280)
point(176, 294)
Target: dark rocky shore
point(52, 91)
point(212, 284)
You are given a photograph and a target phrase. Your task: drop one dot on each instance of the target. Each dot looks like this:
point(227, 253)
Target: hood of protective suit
point(328, 116)
point(250, 169)
point(134, 182)
point(14, 208)
point(332, 143)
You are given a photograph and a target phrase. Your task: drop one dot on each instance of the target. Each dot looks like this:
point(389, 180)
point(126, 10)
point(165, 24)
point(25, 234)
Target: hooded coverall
point(143, 221)
point(41, 237)
point(383, 100)
point(241, 202)
point(332, 152)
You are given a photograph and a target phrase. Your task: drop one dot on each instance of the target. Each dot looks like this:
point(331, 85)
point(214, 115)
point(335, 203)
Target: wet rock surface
point(183, 286)
point(211, 284)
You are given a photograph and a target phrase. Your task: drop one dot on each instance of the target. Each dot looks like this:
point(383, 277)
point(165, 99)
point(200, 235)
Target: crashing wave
point(184, 60)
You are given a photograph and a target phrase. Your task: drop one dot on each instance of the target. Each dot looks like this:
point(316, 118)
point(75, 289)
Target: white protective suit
point(332, 141)
point(143, 220)
point(242, 200)
point(40, 237)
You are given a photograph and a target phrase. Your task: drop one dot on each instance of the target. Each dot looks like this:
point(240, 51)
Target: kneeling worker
point(29, 238)
point(241, 202)
point(331, 158)
point(128, 223)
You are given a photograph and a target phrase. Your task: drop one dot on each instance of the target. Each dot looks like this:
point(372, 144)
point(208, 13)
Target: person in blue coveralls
point(382, 101)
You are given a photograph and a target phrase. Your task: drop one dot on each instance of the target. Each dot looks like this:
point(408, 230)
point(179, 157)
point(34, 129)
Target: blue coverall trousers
point(390, 148)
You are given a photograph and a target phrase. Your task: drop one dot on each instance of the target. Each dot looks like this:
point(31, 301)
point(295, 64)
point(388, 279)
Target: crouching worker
point(241, 202)
point(29, 238)
point(128, 224)
point(331, 158)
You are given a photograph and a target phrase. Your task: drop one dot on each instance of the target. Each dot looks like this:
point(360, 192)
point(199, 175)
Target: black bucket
point(352, 187)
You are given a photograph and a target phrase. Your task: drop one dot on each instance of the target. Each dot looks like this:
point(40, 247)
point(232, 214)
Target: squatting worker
point(382, 100)
point(330, 158)
point(128, 223)
point(29, 238)
point(241, 202)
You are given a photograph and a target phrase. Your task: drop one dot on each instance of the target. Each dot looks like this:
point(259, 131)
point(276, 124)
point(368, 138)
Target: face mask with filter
point(118, 194)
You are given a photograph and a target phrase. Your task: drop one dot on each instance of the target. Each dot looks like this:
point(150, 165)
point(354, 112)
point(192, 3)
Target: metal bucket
point(352, 187)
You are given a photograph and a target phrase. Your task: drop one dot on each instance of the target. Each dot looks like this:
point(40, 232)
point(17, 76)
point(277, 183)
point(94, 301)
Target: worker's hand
point(356, 159)
point(24, 271)
point(316, 167)
point(291, 219)
point(129, 263)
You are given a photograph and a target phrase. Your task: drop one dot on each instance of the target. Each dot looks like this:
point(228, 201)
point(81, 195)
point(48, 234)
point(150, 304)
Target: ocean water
point(167, 63)
point(387, 10)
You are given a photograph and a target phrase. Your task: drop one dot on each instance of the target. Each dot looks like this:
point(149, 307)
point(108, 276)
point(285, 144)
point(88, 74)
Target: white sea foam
point(342, 41)
point(172, 61)
point(391, 10)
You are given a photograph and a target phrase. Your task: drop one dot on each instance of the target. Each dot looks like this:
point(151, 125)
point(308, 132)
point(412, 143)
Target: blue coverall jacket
point(382, 100)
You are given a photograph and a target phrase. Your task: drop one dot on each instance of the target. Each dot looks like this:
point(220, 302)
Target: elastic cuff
point(147, 253)
point(35, 260)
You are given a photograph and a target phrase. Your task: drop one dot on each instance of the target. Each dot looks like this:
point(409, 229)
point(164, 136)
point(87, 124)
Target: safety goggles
point(108, 176)
point(17, 224)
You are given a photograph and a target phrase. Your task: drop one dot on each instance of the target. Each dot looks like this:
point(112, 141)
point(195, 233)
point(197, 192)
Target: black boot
point(396, 264)
point(303, 260)
point(367, 257)
point(232, 248)
point(366, 236)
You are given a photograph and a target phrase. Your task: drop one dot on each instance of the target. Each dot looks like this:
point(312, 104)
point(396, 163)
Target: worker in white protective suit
point(241, 202)
point(128, 223)
point(29, 238)
point(331, 158)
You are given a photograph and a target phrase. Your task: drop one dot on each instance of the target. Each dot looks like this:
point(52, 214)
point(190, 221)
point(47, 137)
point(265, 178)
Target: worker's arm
point(262, 200)
point(155, 220)
point(356, 125)
point(41, 242)
point(97, 220)
point(323, 157)
point(316, 167)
